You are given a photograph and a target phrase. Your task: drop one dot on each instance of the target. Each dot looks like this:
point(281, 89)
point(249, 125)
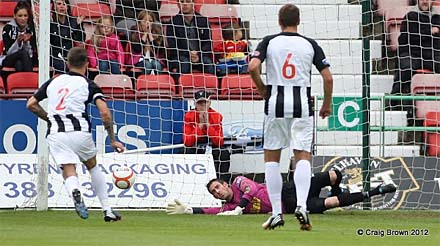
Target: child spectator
point(144, 52)
point(20, 44)
point(232, 52)
point(64, 31)
point(105, 50)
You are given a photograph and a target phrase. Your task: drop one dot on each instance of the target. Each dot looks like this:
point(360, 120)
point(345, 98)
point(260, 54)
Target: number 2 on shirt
point(63, 92)
point(289, 70)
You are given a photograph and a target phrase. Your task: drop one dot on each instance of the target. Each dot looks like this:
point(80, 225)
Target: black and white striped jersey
point(68, 96)
point(289, 58)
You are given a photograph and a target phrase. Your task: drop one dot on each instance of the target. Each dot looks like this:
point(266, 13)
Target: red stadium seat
point(393, 20)
point(425, 84)
point(384, 5)
point(167, 11)
point(423, 107)
point(22, 83)
point(115, 85)
point(219, 13)
point(7, 10)
point(236, 86)
point(191, 83)
point(155, 86)
point(73, 2)
point(432, 139)
point(210, 1)
point(91, 11)
point(199, 3)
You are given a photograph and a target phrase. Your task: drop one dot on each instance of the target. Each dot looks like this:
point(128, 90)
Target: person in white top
point(288, 107)
point(69, 133)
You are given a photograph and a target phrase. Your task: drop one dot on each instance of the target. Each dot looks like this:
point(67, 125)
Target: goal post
point(43, 31)
point(366, 72)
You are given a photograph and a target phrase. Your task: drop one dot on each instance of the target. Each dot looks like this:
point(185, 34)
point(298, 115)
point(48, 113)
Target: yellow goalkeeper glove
point(237, 211)
point(178, 208)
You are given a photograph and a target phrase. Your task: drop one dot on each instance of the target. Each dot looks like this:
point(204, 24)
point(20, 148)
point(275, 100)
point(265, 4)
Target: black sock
point(346, 199)
point(374, 192)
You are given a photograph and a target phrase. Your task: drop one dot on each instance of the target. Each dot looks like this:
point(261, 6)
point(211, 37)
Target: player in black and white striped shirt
point(69, 138)
point(289, 58)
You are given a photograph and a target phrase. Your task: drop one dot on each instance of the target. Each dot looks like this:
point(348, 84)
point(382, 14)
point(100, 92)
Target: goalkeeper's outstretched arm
point(179, 207)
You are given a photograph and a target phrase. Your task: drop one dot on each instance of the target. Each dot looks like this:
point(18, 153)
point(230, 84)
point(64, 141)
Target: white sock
point(71, 183)
point(274, 184)
point(100, 187)
point(301, 178)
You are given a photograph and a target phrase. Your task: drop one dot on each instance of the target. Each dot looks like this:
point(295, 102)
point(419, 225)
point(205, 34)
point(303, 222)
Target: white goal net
point(149, 91)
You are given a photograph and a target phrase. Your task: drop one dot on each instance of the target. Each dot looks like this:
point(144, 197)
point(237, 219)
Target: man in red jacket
point(202, 128)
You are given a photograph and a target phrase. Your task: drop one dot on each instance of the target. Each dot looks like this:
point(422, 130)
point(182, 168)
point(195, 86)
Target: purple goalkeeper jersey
point(252, 191)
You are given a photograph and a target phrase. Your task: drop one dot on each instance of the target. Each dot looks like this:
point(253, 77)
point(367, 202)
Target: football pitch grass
point(156, 228)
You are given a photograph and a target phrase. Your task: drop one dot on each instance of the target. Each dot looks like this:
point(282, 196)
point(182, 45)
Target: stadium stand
point(6, 11)
point(219, 14)
point(432, 139)
point(190, 83)
point(426, 84)
point(393, 21)
point(209, 2)
point(386, 5)
point(155, 86)
point(92, 11)
point(168, 10)
point(118, 86)
point(236, 86)
point(22, 83)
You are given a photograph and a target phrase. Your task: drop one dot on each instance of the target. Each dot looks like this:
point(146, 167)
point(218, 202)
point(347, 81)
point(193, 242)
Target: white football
point(123, 177)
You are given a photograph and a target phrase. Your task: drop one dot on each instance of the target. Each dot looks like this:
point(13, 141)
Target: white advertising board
point(159, 179)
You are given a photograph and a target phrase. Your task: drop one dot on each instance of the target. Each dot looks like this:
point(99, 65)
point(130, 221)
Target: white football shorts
point(71, 147)
point(280, 133)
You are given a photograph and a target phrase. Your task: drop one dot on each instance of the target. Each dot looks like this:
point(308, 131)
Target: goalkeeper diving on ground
point(245, 196)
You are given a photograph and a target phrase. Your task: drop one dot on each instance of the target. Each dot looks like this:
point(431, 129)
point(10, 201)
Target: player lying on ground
point(245, 196)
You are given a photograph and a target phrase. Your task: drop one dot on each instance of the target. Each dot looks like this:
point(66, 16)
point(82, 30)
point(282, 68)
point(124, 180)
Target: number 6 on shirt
point(289, 66)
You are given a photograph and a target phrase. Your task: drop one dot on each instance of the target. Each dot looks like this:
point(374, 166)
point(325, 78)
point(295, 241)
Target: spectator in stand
point(203, 128)
point(105, 50)
point(419, 45)
point(144, 52)
point(159, 43)
point(64, 31)
point(127, 11)
point(19, 37)
point(189, 41)
point(232, 52)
